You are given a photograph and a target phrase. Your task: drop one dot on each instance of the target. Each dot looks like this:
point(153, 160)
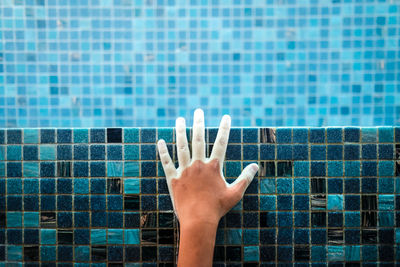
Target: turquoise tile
point(31, 219)
point(82, 253)
point(81, 135)
point(233, 236)
point(114, 168)
point(335, 253)
point(233, 169)
point(81, 186)
point(267, 186)
point(14, 253)
point(131, 135)
point(48, 236)
point(31, 136)
point(166, 134)
point(301, 168)
point(386, 168)
point(335, 168)
point(251, 253)
point(132, 236)
point(14, 152)
point(386, 202)
point(131, 169)
point(115, 236)
point(335, 202)
point(131, 152)
point(386, 134)
point(131, 186)
point(47, 152)
point(14, 219)
point(369, 135)
point(267, 202)
point(31, 169)
point(251, 236)
point(301, 185)
point(98, 236)
point(353, 253)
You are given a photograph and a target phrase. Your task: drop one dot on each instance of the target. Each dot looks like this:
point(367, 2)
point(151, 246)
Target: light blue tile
point(131, 169)
point(114, 169)
point(115, 236)
point(335, 202)
point(98, 236)
point(132, 236)
point(31, 169)
point(47, 152)
point(131, 186)
point(251, 253)
point(48, 236)
point(31, 219)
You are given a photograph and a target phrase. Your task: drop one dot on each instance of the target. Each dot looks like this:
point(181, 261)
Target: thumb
point(239, 186)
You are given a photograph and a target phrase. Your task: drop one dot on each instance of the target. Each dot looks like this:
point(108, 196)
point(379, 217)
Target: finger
point(168, 166)
point(243, 181)
point(198, 142)
point(182, 143)
point(219, 148)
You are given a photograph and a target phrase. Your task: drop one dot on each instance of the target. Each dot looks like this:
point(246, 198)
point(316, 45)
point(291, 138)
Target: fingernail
point(255, 168)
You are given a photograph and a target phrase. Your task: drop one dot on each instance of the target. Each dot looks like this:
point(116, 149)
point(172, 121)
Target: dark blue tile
point(284, 202)
point(318, 236)
point(97, 152)
point(47, 136)
point(97, 169)
point(97, 186)
point(369, 168)
point(283, 135)
point(285, 219)
point(318, 169)
point(99, 219)
point(301, 236)
point(97, 202)
point(115, 253)
point(164, 203)
point(352, 134)
point(65, 253)
point(81, 152)
point(317, 135)
point(148, 135)
point(148, 169)
point(64, 136)
point(31, 236)
point(300, 135)
point(318, 219)
point(284, 236)
point(267, 236)
point(162, 186)
point(284, 185)
point(64, 152)
point(318, 152)
point(64, 219)
point(233, 152)
point(351, 152)
point(300, 152)
point(148, 186)
point(250, 203)
point(14, 136)
point(81, 169)
point(334, 135)
point(81, 202)
point(64, 186)
point(47, 203)
point(115, 202)
point(352, 236)
point(14, 169)
point(250, 135)
point(14, 236)
point(81, 219)
point(235, 135)
point(47, 169)
point(132, 220)
point(47, 186)
point(267, 152)
point(284, 152)
point(82, 236)
point(115, 219)
point(31, 203)
point(352, 202)
point(284, 253)
point(64, 202)
point(30, 152)
point(14, 203)
point(369, 151)
point(386, 152)
point(284, 168)
point(250, 219)
point(114, 135)
point(335, 152)
point(335, 185)
point(148, 152)
point(301, 219)
point(397, 134)
point(97, 135)
point(2, 137)
point(368, 185)
point(250, 152)
point(148, 203)
point(301, 202)
point(352, 185)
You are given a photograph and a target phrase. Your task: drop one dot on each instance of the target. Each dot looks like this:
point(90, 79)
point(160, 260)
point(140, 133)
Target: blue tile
point(386, 151)
point(114, 152)
point(352, 134)
point(81, 169)
point(97, 152)
point(335, 185)
point(318, 152)
point(250, 135)
point(335, 152)
point(166, 134)
point(97, 135)
point(81, 152)
point(97, 169)
point(64, 152)
point(14, 136)
point(147, 152)
point(317, 135)
point(250, 152)
point(131, 152)
point(64, 135)
point(300, 135)
point(47, 152)
point(284, 152)
point(31, 136)
point(300, 152)
point(47, 136)
point(30, 152)
point(369, 135)
point(386, 134)
point(233, 152)
point(14, 152)
point(267, 152)
point(81, 135)
point(148, 135)
point(131, 135)
point(235, 135)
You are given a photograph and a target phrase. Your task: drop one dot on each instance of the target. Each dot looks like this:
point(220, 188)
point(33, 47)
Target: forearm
point(196, 246)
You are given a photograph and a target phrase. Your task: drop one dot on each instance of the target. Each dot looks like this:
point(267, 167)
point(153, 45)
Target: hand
point(198, 189)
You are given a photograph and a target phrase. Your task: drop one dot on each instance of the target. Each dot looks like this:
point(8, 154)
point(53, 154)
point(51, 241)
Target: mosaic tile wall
point(98, 196)
point(136, 63)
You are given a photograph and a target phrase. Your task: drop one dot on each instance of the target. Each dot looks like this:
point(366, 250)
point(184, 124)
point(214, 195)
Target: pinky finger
point(168, 166)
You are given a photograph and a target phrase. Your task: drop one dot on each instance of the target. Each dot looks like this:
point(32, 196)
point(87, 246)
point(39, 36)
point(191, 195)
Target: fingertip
point(255, 167)
point(160, 142)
